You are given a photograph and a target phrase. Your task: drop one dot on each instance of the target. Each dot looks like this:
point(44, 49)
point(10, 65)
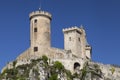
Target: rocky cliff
point(40, 69)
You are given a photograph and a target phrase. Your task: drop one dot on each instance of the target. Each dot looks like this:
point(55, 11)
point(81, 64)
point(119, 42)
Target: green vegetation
point(69, 75)
point(53, 77)
point(84, 71)
point(58, 65)
point(14, 63)
point(55, 70)
point(22, 72)
point(45, 58)
point(112, 70)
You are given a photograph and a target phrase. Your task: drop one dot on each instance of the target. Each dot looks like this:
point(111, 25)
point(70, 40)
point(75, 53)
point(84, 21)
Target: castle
point(76, 48)
point(75, 43)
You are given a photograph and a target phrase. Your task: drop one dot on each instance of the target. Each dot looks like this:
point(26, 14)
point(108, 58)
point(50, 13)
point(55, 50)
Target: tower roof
point(40, 13)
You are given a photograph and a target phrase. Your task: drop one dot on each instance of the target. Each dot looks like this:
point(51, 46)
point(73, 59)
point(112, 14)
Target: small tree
point(45, 58)
point(14, 63)
point(58, 65)
point(84, 71)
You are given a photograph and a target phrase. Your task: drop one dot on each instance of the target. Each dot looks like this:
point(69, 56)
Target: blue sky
point(100, 18)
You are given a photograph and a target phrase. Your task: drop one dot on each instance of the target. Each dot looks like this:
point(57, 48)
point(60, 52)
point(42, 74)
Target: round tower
point(40, 29)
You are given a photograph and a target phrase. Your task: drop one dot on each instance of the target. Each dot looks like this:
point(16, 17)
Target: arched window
point(76, 66)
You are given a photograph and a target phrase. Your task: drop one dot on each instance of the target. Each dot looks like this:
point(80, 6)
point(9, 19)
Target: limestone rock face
point(48, 69)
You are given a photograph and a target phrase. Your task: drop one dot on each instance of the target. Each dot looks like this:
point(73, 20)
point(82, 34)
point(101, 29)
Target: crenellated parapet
point(75, 28)
point(40, 13)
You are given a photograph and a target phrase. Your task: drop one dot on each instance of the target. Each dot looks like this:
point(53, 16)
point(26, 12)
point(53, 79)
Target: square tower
point(75, 41)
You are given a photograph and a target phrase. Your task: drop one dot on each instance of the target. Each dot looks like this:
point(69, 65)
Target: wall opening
point(35, 49)
point(35, 29)
point(35, 21)
point(76, 66)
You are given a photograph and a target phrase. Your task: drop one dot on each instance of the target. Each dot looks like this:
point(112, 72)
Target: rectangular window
point(35, 29)
point(35, 21)
point(35, 49)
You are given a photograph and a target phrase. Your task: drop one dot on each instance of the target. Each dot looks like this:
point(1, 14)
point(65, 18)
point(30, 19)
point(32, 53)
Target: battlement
point(75, 28)
point(40, 13)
